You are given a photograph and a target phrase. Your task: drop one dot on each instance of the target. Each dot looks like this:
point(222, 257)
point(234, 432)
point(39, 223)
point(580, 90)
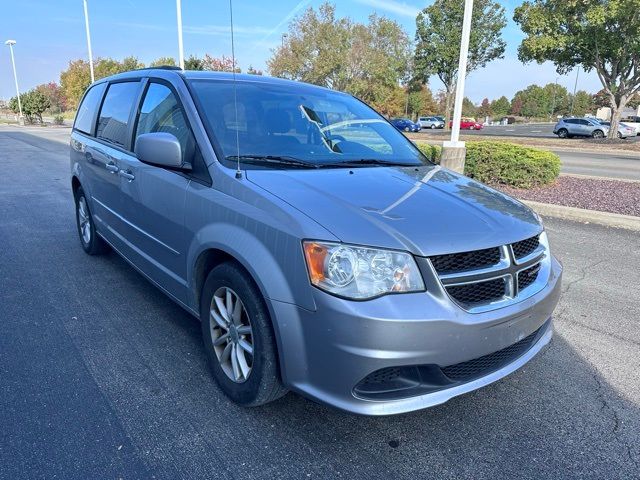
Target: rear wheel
point(433, 126)
point(406, 129)
point(563, 133)
point(238, 337)
point(597, 134)
point(471, 127)
point(90, 241)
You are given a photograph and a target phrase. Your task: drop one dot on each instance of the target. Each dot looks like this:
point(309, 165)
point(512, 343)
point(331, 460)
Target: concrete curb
point(607, 219)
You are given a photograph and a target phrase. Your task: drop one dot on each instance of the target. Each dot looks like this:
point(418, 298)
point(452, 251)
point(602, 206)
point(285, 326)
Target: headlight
point(358, 272)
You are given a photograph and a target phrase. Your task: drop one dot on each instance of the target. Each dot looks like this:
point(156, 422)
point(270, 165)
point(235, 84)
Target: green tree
point(421, 101)
point(56, 97)
point(500, 107)
point(34, 103)
point(542, 102)
point(601, 35)
point(367, 60)
point(164, 61)
point(438, 35)
point(582, 103)
point(468, 108)
point(253, 71)
point(193, 63)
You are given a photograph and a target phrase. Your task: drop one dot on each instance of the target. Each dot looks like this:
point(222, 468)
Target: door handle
point(112, 167)
point(128, 175)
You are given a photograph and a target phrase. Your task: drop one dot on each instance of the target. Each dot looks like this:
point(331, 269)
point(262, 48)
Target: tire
point(471, 127)
point(563, 133)
point(433, 126)
point(597, 134)
point(91, 243)
point(406, 129)
point(252, 327)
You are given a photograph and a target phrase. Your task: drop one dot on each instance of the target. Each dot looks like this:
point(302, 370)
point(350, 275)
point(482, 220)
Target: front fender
point(276, 263)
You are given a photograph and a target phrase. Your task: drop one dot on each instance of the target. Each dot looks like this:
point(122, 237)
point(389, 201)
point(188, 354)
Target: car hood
point(427, 210)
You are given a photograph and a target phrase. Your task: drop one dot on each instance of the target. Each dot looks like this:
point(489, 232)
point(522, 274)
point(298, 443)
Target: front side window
point(310, 124)
point(161, 112)
point(114, 115)
point(88, 108)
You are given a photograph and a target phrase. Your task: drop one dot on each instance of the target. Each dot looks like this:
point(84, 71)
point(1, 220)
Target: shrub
point(503, 163)
point(432, 152)
point(58, 120)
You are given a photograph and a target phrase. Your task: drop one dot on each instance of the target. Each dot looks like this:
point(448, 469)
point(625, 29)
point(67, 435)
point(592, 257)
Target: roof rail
point(162, 67)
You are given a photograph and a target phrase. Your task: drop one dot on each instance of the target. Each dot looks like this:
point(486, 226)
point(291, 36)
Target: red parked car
point(468, 124)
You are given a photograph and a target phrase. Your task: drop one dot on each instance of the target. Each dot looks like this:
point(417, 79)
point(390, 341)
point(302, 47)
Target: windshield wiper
point(370, 161)
point(273, 159)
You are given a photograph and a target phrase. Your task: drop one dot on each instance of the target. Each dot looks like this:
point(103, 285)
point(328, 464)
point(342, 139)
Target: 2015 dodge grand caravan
point(322, 252)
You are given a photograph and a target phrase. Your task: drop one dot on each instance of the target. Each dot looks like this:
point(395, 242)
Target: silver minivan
point(322, 252)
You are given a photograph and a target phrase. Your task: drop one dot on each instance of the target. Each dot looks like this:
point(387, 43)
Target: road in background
point(102, 376)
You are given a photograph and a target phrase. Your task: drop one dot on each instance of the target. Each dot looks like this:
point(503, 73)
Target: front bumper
point(325, 353)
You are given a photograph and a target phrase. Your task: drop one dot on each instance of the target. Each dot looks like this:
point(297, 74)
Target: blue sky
point(50, 33)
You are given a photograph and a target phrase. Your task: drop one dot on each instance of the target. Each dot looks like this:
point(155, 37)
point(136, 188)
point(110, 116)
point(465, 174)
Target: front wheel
point(238, 337)
point(597, 134)
point(406, 129)
point(471, 127)
point(90, 241)
point(563, 133)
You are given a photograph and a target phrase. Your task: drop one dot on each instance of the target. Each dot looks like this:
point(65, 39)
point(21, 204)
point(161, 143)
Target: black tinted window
point(571, 121)
point(88, 107)
point(161, 112)
point(114, 115)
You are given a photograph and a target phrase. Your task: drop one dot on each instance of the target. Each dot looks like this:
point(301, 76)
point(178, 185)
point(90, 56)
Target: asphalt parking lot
point(102, 376)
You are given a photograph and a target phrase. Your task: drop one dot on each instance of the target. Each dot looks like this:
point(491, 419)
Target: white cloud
point(293, 12)
point(392, 6)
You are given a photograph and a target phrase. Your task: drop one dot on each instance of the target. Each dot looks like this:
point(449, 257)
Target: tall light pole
point(11, 43)
point(86, 26)
point(453, 151)
point(180, 47)
point(553, 103)
point(575, 87)
point(284, 35)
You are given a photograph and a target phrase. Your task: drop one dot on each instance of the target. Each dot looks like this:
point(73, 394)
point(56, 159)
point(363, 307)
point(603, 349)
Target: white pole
point(86, 26)
point(462, 73)
point(11, 43)
point(180, 47)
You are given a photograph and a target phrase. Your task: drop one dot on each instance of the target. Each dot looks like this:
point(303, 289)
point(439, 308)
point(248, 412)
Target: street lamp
point(453, 151)
point(180, 46)
point(86, 26)
point(284, 35)
point(575, 87)
point(553, 102)
point(11, 43)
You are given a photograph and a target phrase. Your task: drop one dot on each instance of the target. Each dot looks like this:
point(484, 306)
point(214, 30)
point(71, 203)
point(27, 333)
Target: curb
point(607, 219)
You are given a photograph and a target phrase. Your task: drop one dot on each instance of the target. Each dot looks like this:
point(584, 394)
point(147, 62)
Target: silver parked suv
point(321, 250)
point(588, 127)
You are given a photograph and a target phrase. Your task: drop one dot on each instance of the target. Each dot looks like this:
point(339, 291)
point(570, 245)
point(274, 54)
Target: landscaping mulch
point(613, 196)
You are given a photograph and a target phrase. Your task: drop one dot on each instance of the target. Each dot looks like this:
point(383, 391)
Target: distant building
point(604, 113)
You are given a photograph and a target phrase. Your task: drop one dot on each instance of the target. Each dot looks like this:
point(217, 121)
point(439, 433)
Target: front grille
point(528, 276)
point(482, 366)
point(525, 247)
point(472, 294)
point(458, 262)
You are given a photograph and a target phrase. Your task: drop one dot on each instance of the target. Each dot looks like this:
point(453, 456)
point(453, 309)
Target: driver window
point(161, 112)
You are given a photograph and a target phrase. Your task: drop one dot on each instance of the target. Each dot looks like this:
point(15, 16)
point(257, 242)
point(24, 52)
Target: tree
point(164, 61)
point(367, 60)
point(222, 64)
point(582, 103)
point(542, 102)
point(468, 108)
point(34, 103)
point(484, 110)
point(438, 35)
point(601, 35)
point(421, 100)
point(55, 95)
point(516, 105)
point(253, 71)
point(77, 77)
point(500, 107)
point(193, 63)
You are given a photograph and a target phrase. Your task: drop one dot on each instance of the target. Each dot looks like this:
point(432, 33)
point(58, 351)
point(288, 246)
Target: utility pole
point(11, 43)
point(86, 26)
point(575, 87)
point(553, 102)
point(454, 151)
point(180, 46)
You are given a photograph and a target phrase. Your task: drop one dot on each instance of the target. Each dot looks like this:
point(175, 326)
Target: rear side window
point(88, 108)
point(114, 115)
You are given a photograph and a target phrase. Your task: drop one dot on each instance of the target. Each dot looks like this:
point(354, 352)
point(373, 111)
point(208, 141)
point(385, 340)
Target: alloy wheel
point(84, 221)
point(231, 334)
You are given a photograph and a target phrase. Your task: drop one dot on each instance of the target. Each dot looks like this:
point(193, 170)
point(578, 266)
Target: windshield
point(301, 123)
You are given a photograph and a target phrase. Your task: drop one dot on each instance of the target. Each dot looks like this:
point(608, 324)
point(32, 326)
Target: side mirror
point(160, 148)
